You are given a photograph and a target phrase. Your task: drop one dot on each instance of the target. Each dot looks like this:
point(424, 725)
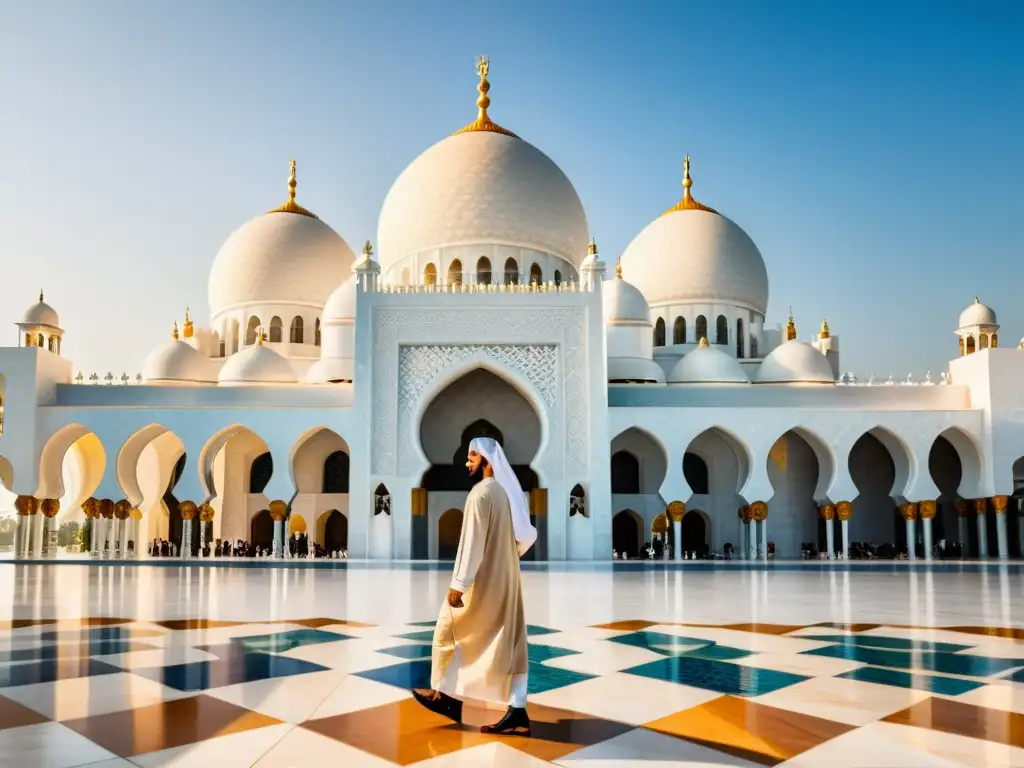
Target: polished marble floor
point(114, 666)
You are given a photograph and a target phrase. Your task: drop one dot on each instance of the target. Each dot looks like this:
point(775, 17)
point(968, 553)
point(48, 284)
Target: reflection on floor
point(112, 666)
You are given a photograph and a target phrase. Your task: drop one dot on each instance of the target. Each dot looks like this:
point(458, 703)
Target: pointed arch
point(320, 459)
point(455, 272)
point(679, 330)
point(430, 275)
point(969, 452)
point(737, 448)
point(536, 274)
point(635, 444)
point(700, 329)
point(627, 530)
point(511, 271)
point(721, 330)
point(251, 330)
point(483, 271)
point(659, 332)
point(92, 455)
point(276, 329)
point(296, 334)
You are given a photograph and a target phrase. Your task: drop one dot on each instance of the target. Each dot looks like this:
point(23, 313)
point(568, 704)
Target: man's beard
point(474, 473)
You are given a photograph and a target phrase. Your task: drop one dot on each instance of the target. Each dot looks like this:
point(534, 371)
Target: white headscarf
point(491, 450)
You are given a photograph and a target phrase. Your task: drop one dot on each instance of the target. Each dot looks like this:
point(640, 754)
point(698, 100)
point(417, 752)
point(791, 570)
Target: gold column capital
point(26, 505)
point(827, 511)
point(106, 507)
point(999, 504)
point(980, 506)
point(49, 507)
point(962, 507)
point(759, 511)
point(909, 510)
point(188, 510)
point(122, 509)
point(278, 510)
point(928, 510)
point(206, 513)
point(676, 510)
point(135, 513)
point(844, 510)
point(744, 514)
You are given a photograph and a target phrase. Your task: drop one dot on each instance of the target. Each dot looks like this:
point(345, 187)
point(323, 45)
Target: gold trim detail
point(909, 510)
point(188, 510)
point(790, 327)
point(676, 510)
point(999, 504)
point(688, 203)
point(188, 330)
point(483, 122)
point(759, 511)
point(844, 510)
point(928, 509)
point(980, 506)
point(291, 206)
point(827, 511)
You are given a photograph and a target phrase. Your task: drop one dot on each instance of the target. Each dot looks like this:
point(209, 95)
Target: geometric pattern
point(324, 691)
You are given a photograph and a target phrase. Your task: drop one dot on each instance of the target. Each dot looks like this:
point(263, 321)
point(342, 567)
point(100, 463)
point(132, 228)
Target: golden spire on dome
point(368, 250)
point(261, 336)
point(41, 296)
point(188, 325)
point(688, 203)
point(291, 206)
point(975, 298)
point(790, 327)
point(174, 333)
point(618, 268)
point(704, 342)
point(824, 329)
point(483, 121)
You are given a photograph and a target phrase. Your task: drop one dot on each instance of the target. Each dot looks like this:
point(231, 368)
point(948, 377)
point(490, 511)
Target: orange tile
point(14, 715)
point(1008, 632)
point(180, 624)
point(168, 724)
point(630, 625)
point(751, 731)
point(318, 623)
point(848, 627)
point(764, 629)
point(964, 720)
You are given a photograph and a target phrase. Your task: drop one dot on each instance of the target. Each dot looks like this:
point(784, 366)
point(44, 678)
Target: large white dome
point(286, 255)
point(693, 254)
point(41, 313)
point(482, 186)
point(977, 314)
point(794, 362)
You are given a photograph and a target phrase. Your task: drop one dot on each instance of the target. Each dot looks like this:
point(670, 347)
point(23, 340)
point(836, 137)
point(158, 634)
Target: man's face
point(474, 461)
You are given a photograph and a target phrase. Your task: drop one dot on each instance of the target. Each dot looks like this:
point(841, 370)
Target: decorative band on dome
point(291, 206)
point(483, 122)
point(688, 203)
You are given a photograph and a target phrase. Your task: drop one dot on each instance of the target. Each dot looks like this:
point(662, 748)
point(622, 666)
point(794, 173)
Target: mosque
point(334, 394)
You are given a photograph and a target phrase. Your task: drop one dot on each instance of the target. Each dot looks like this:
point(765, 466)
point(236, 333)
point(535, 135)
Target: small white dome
point(41, 314)
point(331, 370)
point(341, 305)
point(635, 369)
point(623, 303)
point(977, 314)
point(794, 362)
point(176, 361)
point(257, 365)
point(482, 188)
point(707, 365)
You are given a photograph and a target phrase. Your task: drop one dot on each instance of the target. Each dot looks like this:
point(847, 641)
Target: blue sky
point(872, 150)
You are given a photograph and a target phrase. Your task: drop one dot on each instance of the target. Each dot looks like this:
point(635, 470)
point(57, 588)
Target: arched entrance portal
point(626, 527)
point(335, 537)
point(262, 536)
point(695, 533)
point(479, 404)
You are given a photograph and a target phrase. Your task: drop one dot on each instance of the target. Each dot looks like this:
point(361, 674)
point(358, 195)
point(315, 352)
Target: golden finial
point(824, 329)
point(188, 325)
point(40, 295)
point(261, 336)
point(790, 327)
point(368, 250)
point(975, 299)
point(618, 268)
point(704, 342)
point(174, 333)
point(592, 247)
point(688, 203)
point(483, 121)
point(291, 206)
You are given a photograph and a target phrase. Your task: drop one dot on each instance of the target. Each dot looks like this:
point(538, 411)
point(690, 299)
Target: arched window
point(336, 468)
point(753, 346)
point(259, 473)
point(52, 346)
point(577, 501)
point(739, 338)
point(316, 333)
point(625, 473)
point(223, 348)
point(983, 341)
point(511, 271)
point(970, 345)
point(696, 473)
point(721, 330)
point(536, 274)
point(995, 340)
point(483, 271)
point(961, 346)
point(405, 281)
point(28, 339)
point(40, 341)
point(701, 329)
point(455, 272)
point(430, 275)
point(558, 277)
point(659, 332)
point(679, 330)
point(297, 334)
point(234, 336)
point(381, 500)
point(251, 330)
point(276, 328)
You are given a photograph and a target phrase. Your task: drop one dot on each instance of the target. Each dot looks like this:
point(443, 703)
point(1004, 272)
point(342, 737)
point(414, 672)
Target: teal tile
point(946, 663)
point(540, 653)
point(894, 643)
point(947, 686)
point(719, 676)
point(659, 642)
point(412, 674)
point(544, 678)
point(717, 653)
point(422, 623)
point(426, 636)
point(286, 641)
point(409, 651)
point(532, 630)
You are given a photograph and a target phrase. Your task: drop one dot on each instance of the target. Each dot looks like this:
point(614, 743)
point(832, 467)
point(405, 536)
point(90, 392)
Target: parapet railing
point(569, 286)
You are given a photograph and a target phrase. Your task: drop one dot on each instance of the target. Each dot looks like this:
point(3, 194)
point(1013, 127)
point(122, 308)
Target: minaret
point(592, 269)
point(367, 270)
point(828, 345)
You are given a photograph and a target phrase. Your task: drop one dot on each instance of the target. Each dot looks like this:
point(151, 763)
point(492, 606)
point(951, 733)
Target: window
point(753, 346)
point(739, 338)
point(679, 331)
point(259, 473)
point(983, 341)
point(558, 277)
point(625, 473)
point(234, 336)
point(721, 330)
point(276, 328)
point(336, 469)
point(695, 470)
point(511, 272)
point(659, 332)
point(970, 345)
point(297, 333)
point(577, 501)
point(222, 349)
point(455, 272)
point(316, 333)
point(483, 271)
point(430, 275)
point(536, 275)
point(702, 329)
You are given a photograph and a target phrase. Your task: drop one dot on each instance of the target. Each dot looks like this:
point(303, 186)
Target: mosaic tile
point(286, 641)
point(719, 676)
point(544, 678)
point(532, 630)
point(748, 730)
point(167, 725)
point(894, 643)
point(413, 674)
point(947, 663)
point(632, 625)
point(964, 720)
point(53, 669)
point(319, 623)
point(418, 637)
point(68, 651)
point(189, 624)
point(409, 651)
point(288, 699)
point(642, 747)
point(15, 715)
point(947, 686)
point(98, 634)
point(881, 745)
point(1011, 633)
point(659, 642)
point(717, 653)
point(52, 745)
point(841, 700)
point(301, 747)
point(244, 668)
point(230, 750)
point(540, 653)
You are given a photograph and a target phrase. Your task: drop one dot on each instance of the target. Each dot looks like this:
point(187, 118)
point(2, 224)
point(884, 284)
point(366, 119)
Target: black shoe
point(439, 703)
point(515, 723)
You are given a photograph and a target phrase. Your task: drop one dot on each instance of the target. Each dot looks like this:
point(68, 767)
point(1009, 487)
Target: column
point(278, 512)
point(980, 508)
point(828, 514)
point(843, 511)
point(962, 510)
point(206, 513)
point(751, 535)
point(91, 508)
point(122, 510)
point(26, 507)
point(49, 509)
point(999, 504)
point(189, 511)
point(134, 515)
point(910, 512)
point(927, 512)
point(675, 511)
point(1020, 528)
point(107, 515)
point(759, 514)
point(743, 553)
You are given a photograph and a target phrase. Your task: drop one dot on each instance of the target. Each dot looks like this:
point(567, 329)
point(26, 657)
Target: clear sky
point(873, 150)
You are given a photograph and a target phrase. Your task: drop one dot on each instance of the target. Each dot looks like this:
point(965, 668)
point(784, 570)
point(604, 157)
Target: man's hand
point(455, 598)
